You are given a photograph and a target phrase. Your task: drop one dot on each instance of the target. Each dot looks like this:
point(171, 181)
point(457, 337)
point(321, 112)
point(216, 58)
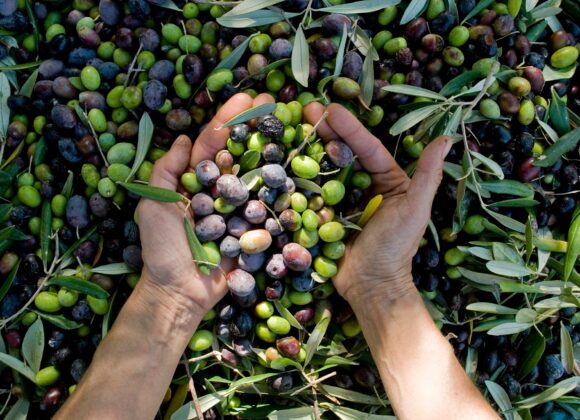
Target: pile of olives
point(79, 76)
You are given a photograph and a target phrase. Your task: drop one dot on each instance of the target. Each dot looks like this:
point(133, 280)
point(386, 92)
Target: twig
point(215, 354)
point(193, 392)
point(310, 135)
point(96, 139)
point(312, 383)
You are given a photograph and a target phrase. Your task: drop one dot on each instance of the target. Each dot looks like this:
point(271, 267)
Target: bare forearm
point(134, 364)
point(422, 377)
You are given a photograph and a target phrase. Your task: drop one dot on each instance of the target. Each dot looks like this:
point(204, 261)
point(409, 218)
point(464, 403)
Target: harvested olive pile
point(93, 92)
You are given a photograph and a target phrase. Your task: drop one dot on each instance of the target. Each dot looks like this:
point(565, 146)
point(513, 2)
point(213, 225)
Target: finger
point(168, 169)
point(263, 98)
point(313, 113)
point(428, 175)
point(212, 140)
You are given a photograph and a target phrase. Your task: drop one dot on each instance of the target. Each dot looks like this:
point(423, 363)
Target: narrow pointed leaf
point(413, 118)
point(287, 315)
point(531, 353)
point(234, 57)
point(480, 6)
point(300, 58)
point(367, 78)
point(113, 269)
point(508, 186)
point(59, 321)
point(558, 114)
point(340, 52)
point(509, 269)
point(68, 185)
point(19, 410)
point(197, 250)
point(565, 144)
point(45, 231)
point(491, 308)
point(251, 178)
point(414, 9)
point(83, 286)
point(356, 7)
point(507, 221)
point(550, 394)
point(573, 245)
point(455, 85)
point(500, 397)
point(315, 339)
point(509, 328)
point(370, 209)
point(6, 283)
point(143, 143)
point(33, 345)
point(18, 366)
point(28, 86)
point(306, 184)
point(153, 193)
point(414, 91)
point(250, 114)
point(489, 163)
point(252, 5)
point(566, 349)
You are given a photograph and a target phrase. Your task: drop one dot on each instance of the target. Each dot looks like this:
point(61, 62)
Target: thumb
point(428, 174)
point(168, 169)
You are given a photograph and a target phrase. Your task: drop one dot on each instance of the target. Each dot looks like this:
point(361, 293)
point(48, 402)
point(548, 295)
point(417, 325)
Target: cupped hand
point(168, 263)
point(377, 262)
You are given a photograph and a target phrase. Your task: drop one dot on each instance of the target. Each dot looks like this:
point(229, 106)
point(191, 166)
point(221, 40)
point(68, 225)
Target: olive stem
point(215, 354)
point(310, 135)
point(312, 383)
point(193, 392)
point(7, 400)
point(96, 137)
point(130, 70)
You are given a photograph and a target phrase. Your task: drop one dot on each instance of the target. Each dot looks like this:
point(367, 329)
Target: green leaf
point(8, 281)
point(287, 315)
point(283, 362)
point(68, 185)
point(340, 52)
point(491, 308)
point(4, 110)
point(412, 118)
point(19, 410)
point(566, 349)
point(59, 321)
point(455, 85)
point(352, 396)
point(113, 269)
point(21, 66)
point(481, 278)
point(166, 4)
point(526, 316)
point(252, 5)
point(321, 87)
point(434, 234)
point(370, 209)
point(315, 339)
point(483, 4)
point(69, 251)
point(480, 252)
point(551, 74)
point(565, 144)
point(198, 252)
point(509, 269)
point(509, 328)
point(489, 163)
point(143, 143)
point(363, 43)
point(415, 91)
point(414, 9)
point(28, 86)
point(206, 402)
point(255, 18)
point(300, 58)
point(106, 325)
point(453, 124)
point(529, 239)
point(504, 252)
point(298, 413)
point(306, 184)
point(367, 79)
point(501, 398)
point(40, 151)
point(153, 193)
point(18, 366)
point(532, 349)
point(83, 286)
point(45, 232)
point(251, 178)
point(463, 202)
point(550, 394)
point(11, 233)
point(516, 202)
point(33, 345)
point(559, 114)
point(345, 413)
point(513, 287)
point(550, 132)
point(234, 57)
point(356, 7)
point(507, 221)
point(249, 160)
point(250, 114)
point(573, 245)
point(508, 186)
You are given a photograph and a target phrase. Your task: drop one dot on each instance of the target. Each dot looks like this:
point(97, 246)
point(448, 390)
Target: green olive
point(91, 78)
point(278, 325)
point(47, 302)
point(98, 306)
point(29, 196)
point(201, 340)
point(47, 376)
point(264, 309)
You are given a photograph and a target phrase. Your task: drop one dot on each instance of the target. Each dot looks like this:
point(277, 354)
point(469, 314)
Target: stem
point(296, 151)
point(193, 392)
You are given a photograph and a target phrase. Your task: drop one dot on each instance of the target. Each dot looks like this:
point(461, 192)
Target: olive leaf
point(143, 143)
point(363, 43)
point(251, 178)
point(306, 184)
point(107, 318)
point(19, 410)
point(22, 66)
point(39, 152)
point(287, 315)
point(45, 232)
point(573, 245)
point(4, 109)
point(550, 132)
point(15, 153)
point(250, 114)
point(153, 193)
point(59, 321)
point(83, 286)
point(340, 52)
point(508, 269)
point(255, 18)
point(509, 328)
point(197, 250)
point(508, 186)
point(249, 160)
point(33, 345)
point(71, 249)
point(68, 185)
point(516, 202)
point(248, 6)
point(18, 366)
point(322, 85)
point(367, 79)
point(453, 124)
point(412, 118)
point(315, 339)
point(551, 74)
point(370, 209)
point(565, 144)
point(481, 278)
point(514, 287)
point(414, 91)
point(356, 7)
point(414, 9)
point(491, 308)
point(232, 59)
point(11, 233)
point(533, 348)
point(550, 394)
point(8, 281)
point(166, 4)
point(536, 30)
point(483, 4)
point(300, 58)
point(559, 114)
point(566, 349)
point(28, 86)
point(501, 398)
point(32, 18)
point(471, 362)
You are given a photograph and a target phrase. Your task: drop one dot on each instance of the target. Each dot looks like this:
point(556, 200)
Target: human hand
point(377, 262)
point(168, 263)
